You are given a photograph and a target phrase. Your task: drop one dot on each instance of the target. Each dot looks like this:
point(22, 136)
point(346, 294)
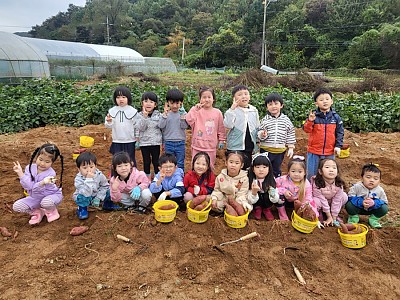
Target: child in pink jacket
point(207, 125)
point(129, 186)
point(328, 191)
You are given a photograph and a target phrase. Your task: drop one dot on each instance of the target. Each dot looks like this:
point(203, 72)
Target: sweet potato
point(308, 213)
point(343, 228)
point(167, 207)
point(236, 206)
point(350, 228)
point(230, 210)
point(78, 230)
point(197, 200)
point(297, 205)
point(5, 232)
point(201, 206)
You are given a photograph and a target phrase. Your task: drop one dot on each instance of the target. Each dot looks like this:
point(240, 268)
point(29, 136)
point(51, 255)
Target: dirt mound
point(178, 260)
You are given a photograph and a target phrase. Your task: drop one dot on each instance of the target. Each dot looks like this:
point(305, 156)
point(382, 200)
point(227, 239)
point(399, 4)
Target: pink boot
point(257, 212)
point(36, 216)
point(268, 214)
point(282, 213)
point(52, 215)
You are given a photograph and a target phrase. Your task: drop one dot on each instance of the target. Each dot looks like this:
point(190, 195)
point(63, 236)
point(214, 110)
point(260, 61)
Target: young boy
point(242, 121)
point(173, 126)
point(276, 132)
point(367, 197)
point(325, 131)
point(91, 185)
point(168, 183)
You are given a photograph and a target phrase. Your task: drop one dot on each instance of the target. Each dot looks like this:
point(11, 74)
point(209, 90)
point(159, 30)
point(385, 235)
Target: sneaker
point(140, 209)
point(353, 219)
point(110, 206)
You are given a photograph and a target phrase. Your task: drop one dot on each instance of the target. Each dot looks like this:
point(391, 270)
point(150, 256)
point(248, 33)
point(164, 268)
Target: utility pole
point(108, 30)
point(183, 49)
point(263, 48)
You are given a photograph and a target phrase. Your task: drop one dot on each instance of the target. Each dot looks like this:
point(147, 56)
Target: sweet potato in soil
point(177, 260)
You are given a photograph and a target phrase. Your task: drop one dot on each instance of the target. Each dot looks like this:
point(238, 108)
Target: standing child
point(231, 183)
point(39, 182)
point(121, 118)
point(129, 186)
point(168, 183)
point(201, 179)
point(328, 191)
point(91, 185)
point(262, 193)
point(325, 131)
point(173, 126)
point(149, 132)
point(295, 186)
point(207, 122)
point(276, 133)
point(367, 197)
point(242, 121)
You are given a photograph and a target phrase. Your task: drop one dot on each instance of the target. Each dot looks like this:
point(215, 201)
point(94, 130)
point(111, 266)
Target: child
point(325, 129)
point(121, 118)
point(231, 182)
point(207, 122)
point(276, 132)
point(262, 193)
point(168, 183)
point(201, 179)
point(367, 197)
point(39, 182)
point(242, 121)
point(294, 186)
point(149, 132)
point(328, 191)
point(173, 126)
point(91, 185)
point(129, 186)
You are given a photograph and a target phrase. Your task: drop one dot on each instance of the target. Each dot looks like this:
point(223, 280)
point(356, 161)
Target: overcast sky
point(21, 15)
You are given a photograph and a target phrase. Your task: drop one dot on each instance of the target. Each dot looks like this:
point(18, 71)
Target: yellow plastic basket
point(75, 156)
point(303, 225)
point(354, 241)
point(162, 215)
point(197, 216)
point(236, 222)
point(86, 141)
point(344, 153)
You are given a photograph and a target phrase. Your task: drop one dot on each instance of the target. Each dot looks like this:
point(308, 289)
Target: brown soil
point(178, 260)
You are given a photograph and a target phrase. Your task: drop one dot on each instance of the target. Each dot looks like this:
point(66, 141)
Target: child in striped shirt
point(276, 133)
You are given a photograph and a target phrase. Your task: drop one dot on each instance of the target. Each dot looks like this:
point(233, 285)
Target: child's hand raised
point(264, 134)
point(115, 184)
point(145, 113)
point(108, 118)
point(312, 116)
point(254, 187)
point(18, 169)
point(199, 106)
point(166, 108)
point(235, 103)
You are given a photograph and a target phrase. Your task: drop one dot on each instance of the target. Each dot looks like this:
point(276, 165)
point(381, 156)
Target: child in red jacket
point(325, 131)
point(201, 179)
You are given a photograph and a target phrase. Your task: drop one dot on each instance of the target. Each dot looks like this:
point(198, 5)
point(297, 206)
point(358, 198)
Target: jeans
point(178, 149)
point(312, 163)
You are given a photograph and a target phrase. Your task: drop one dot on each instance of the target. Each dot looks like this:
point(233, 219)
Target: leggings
point(150, 154)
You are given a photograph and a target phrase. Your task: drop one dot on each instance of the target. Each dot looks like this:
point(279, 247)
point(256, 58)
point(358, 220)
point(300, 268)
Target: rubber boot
point(110, 206)
point(282, 213)
point(52, 215)
point(353, 219)
point(374, 222)
point(257, 212)
point(36, 216)
point(268, 214)
point(82, 212)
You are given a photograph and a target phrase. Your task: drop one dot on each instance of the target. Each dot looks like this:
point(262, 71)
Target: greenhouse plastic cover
point(79, 51)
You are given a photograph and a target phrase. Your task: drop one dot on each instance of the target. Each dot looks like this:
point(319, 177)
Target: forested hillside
point(215, 33)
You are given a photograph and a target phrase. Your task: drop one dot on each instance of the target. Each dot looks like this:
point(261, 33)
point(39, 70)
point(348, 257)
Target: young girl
point(150, 135)
point(367, 197)
point(328, 191)
point(295, 186)
point(129, 186)
point(262, 193)
point(201, 179)
point(232, 182)
point(39, 182)
point(121, 118)
point(207, 124)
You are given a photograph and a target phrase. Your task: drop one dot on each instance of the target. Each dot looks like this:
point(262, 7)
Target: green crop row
point(41, 102)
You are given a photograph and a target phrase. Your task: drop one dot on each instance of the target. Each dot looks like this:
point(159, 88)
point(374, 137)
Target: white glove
point(247, 206)
point(49, 179)
point(337, 151)
point(163, 196)
point(290, 152)
point(280, 201)
point(319, 225)
point(273, 195)
point(196, 190)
